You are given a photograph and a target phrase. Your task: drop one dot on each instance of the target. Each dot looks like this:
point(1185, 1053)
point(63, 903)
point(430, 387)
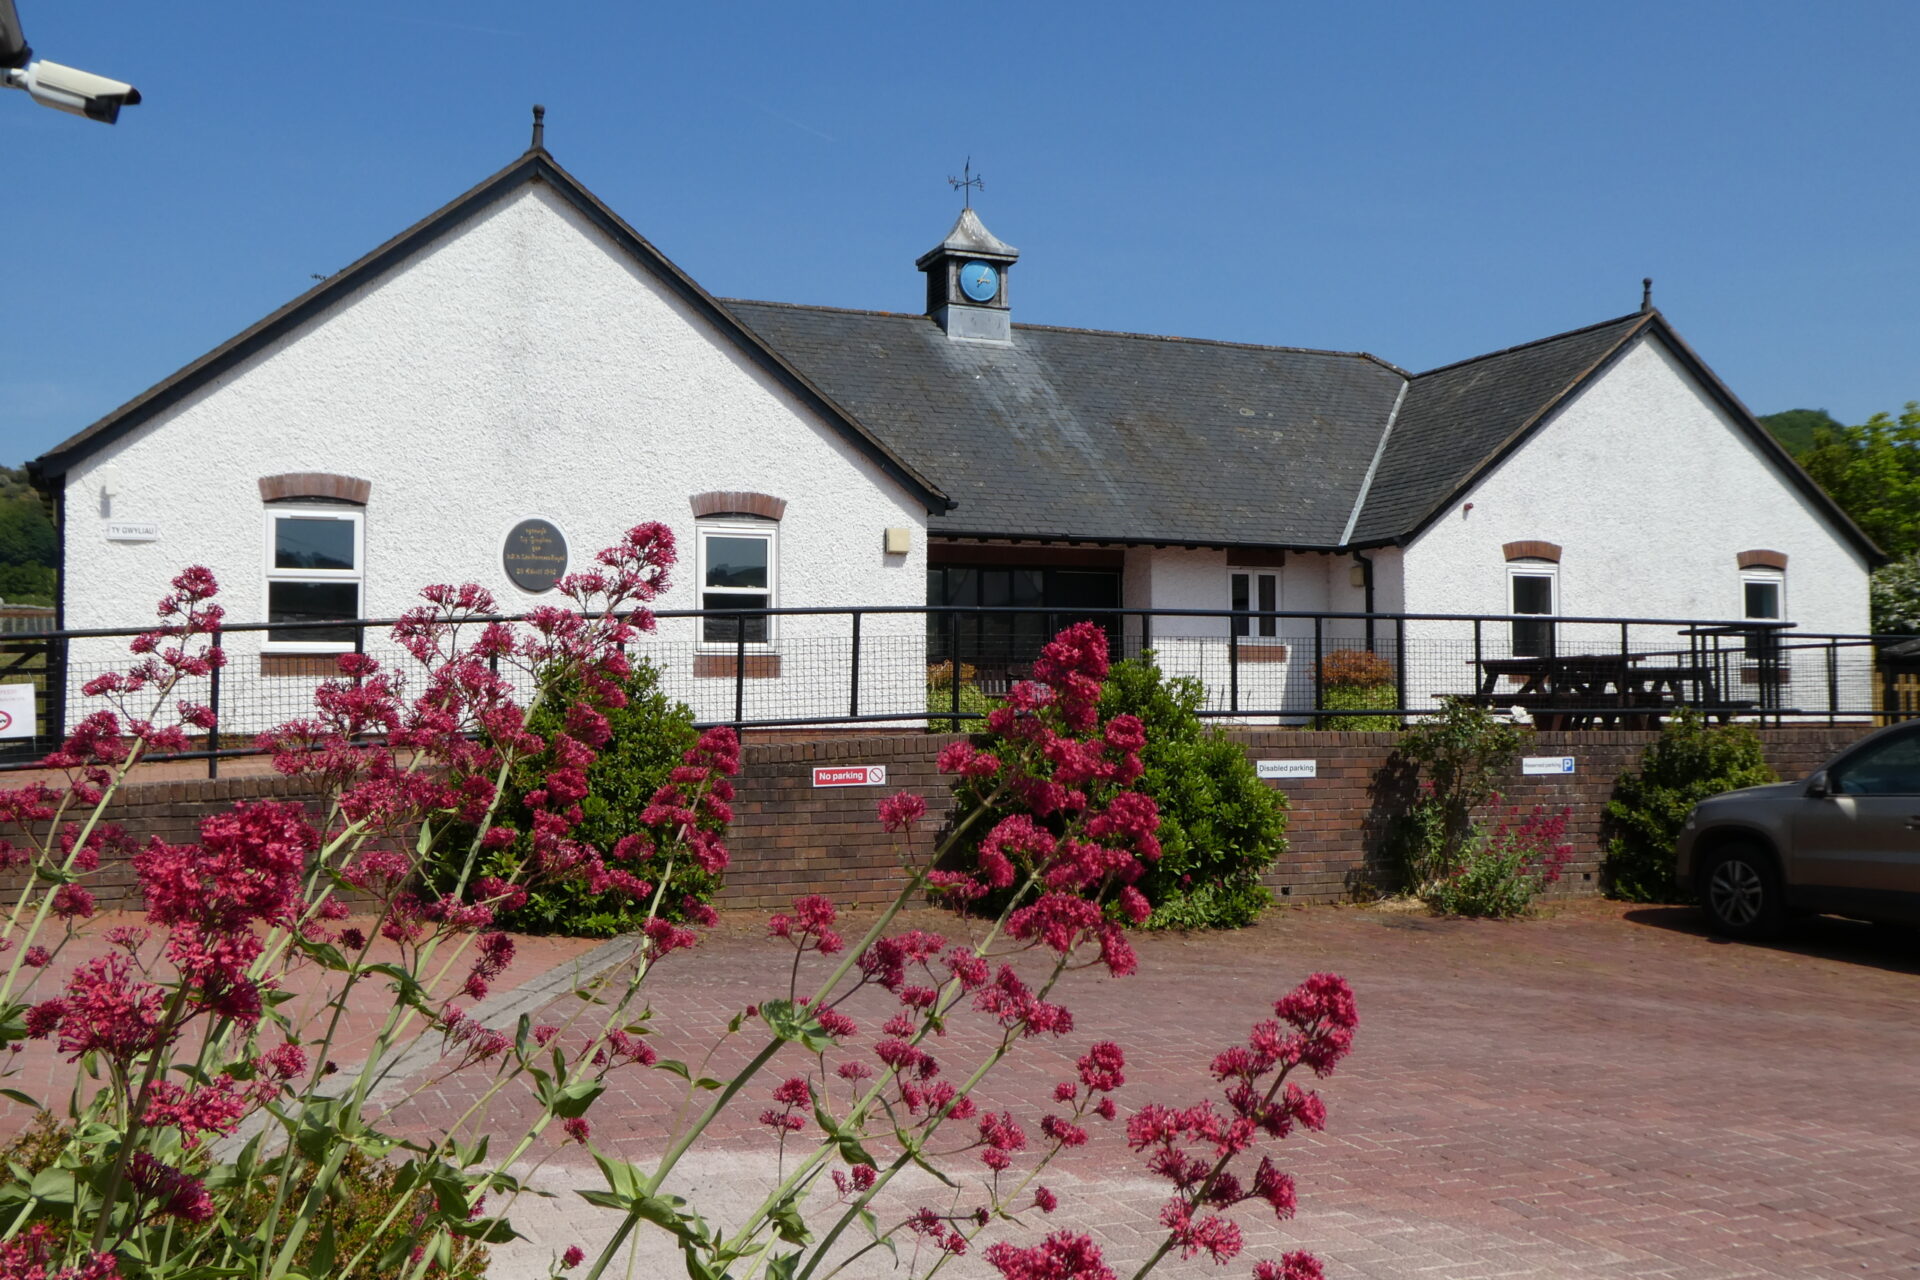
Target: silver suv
point(1845, 841)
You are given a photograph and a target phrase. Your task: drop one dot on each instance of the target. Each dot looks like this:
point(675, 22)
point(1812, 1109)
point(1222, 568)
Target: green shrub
point(1690, 761)
point(650, 734)
point(1220, 826)
point(1503, 866)
point(1360, 697)
point(940, 708)
point(1460, 754)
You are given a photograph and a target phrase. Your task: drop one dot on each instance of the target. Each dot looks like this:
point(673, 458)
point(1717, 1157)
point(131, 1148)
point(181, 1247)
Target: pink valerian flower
point(105, 1010)
point(216, 1108)
point(1044, 1200)
point(856, 1180)
point(1061, 1256)
point(810, 927)
point(899, 812)
point(72, 901)
point(165, 1190)
point(887, 960)
point(577, 1129)
point(37, 957)
point(493, 954)
point(1211, 1234)
point(1013, 1004)
point(573, 1257)
point(791, 1094)
point(246, 868)
point(1292, 1266)
point(28, 1256)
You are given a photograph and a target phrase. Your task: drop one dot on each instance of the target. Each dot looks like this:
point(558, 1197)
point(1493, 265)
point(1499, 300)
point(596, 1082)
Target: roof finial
point(968, 184)
point(1646, 294)
point(539, 128)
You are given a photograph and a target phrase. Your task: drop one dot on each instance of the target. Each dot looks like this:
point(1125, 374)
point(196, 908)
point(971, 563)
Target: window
point(1890, 767)
point(1251, 591)
point(1051, 596)
point(736, 572)
point(314, 574)
point(1532, 589)
point(1762, 593)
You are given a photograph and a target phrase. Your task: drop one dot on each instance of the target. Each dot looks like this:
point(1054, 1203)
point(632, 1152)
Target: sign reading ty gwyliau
point(16, 711)
point(133, 531)
point(853, 775)
point(535, 555)
point(1546, 764)
point(1287, 768)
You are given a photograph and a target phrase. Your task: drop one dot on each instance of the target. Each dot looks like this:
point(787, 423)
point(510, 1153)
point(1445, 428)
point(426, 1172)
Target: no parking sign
point(16, 711)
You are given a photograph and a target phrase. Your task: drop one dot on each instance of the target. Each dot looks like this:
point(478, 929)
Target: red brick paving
point(1605, 1092)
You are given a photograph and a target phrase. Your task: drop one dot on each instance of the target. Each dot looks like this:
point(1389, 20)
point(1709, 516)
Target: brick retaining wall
point(790, 837)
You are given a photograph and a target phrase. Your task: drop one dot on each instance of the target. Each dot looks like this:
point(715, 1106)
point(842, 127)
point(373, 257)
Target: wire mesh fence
point(947, 667)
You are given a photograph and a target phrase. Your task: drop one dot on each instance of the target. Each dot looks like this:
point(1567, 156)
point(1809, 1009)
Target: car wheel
point(1741, 891)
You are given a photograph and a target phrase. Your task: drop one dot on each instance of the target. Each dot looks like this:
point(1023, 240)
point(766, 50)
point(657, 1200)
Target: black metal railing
point(946, 666)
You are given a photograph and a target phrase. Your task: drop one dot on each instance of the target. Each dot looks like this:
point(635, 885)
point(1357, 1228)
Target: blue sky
point(1423, 181)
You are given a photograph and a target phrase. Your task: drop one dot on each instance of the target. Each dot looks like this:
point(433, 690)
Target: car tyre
point(1741, 891)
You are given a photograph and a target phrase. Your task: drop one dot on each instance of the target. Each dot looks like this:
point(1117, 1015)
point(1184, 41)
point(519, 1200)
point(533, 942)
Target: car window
point(1887, 768)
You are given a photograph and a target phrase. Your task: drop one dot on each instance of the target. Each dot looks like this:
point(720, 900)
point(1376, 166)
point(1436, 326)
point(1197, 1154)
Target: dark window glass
point(1532, 593)
point(717, 630)
point(1763, 599)
point(1241, 596)
point(1890, 768)
point(312, 543)
point(313, 602)
point(1269, 594)
point(736, 562)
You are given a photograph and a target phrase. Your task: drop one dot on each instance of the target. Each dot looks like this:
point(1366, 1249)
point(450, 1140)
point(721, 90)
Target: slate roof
point(1103, 436)
point(1121, 437)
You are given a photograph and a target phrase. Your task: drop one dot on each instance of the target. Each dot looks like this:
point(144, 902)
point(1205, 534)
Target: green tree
point(28, 545)
point(1895, 593)
point(1795, 428)
point(1873, 472)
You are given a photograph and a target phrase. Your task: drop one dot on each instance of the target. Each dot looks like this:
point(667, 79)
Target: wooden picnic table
point(1587, 690)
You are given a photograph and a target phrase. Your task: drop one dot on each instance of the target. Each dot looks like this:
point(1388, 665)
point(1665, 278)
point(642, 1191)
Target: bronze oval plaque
point(535, 555)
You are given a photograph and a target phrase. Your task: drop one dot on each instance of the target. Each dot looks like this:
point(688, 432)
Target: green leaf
point(487, 1230)
point(681, 1069)
point(25, 1100)
point(574, 1099)
point(53, 1186)
point(845, 1139)
point(796, 1024)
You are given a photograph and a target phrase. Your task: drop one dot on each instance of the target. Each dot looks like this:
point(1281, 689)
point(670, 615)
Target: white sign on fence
point(1546, 764)
point(16, 711)
point(133, 531)
point(858, 775)
point(1287, 768)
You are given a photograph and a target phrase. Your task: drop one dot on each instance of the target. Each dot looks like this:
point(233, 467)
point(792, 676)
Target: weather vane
point(968, 184)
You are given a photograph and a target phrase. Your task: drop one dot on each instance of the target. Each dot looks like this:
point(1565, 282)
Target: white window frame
point(1779, 581)
point(1257, 629)
point(1533, 569)
point(735, 527)
point(1756, 643)
point(295, 641)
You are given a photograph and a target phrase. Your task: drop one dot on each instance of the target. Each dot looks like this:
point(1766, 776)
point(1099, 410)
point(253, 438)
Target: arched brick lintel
point(1533, 549)
point(1763, 560)
point(728, 502)
point(314, 484)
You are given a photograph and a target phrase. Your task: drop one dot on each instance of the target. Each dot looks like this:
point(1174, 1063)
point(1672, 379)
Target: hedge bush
point(650, 734)
point(1358, 680)
point(1690, 761)
point(940, 699)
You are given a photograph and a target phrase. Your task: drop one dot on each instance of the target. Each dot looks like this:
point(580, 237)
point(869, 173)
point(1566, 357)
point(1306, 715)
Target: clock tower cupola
point(967, 279)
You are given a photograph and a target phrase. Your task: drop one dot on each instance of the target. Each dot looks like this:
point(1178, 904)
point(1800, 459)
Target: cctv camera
point(79, 92)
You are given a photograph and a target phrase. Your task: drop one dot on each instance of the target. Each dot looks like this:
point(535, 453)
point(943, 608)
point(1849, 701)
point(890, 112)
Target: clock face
point(979, 281)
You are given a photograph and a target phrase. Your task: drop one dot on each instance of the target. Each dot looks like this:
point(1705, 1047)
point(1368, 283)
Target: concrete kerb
point(501, 1012)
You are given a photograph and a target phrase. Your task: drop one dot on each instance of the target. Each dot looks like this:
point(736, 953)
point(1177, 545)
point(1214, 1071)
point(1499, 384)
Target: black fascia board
point(532, 166)
point(1160, 540)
